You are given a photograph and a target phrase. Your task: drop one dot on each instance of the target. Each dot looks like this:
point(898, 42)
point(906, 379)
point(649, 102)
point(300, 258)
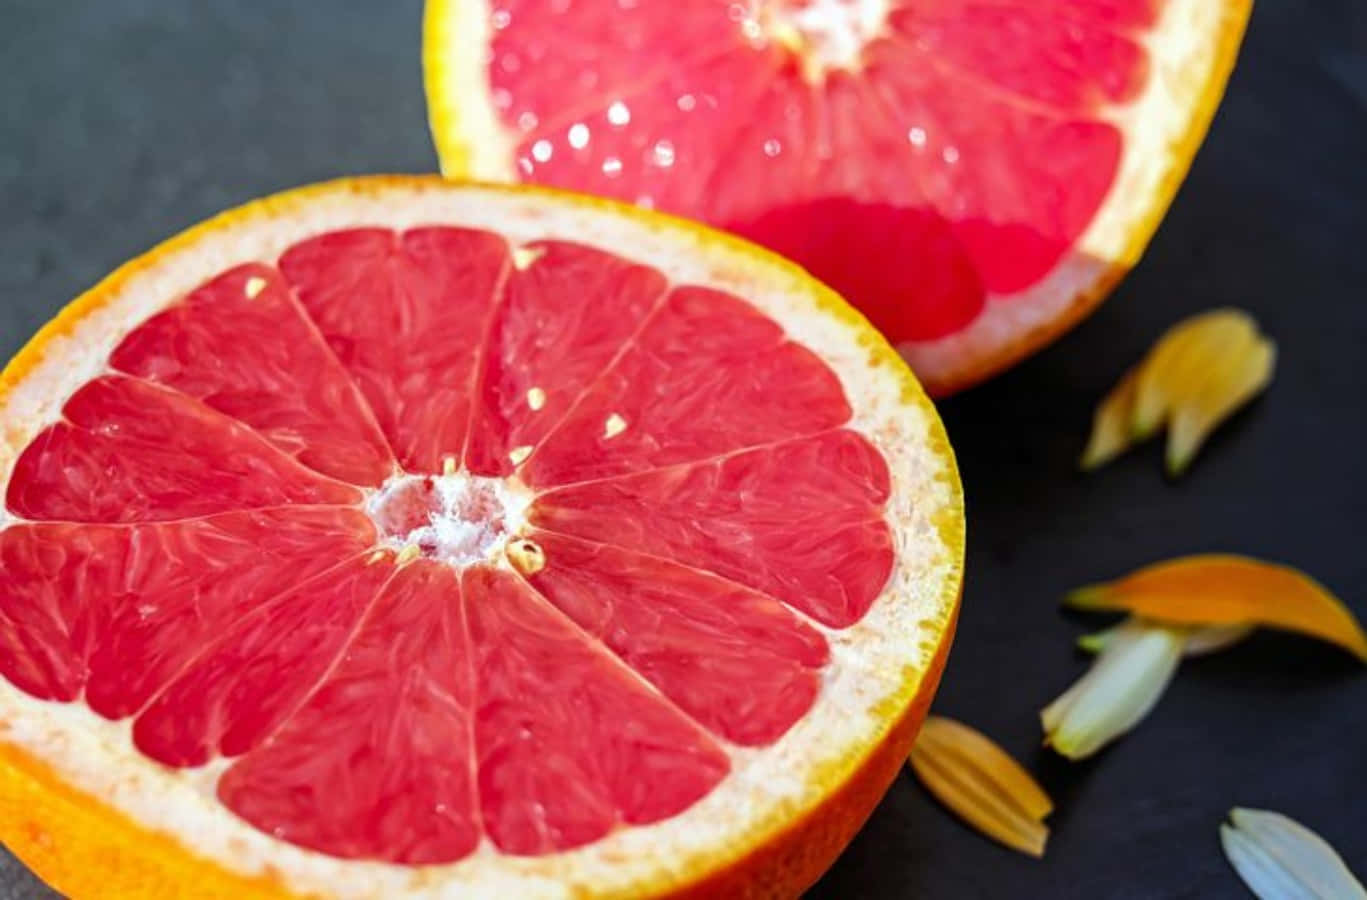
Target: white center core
point(825, 34)
point(458, 519)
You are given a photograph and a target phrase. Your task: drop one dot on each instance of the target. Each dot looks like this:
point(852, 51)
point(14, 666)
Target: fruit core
point(455, 518)
point(824, 34)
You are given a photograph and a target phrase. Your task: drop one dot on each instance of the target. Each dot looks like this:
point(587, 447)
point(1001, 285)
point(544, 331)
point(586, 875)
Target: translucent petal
point(1200, 641)
point(1279, 859)
point(1117, 692)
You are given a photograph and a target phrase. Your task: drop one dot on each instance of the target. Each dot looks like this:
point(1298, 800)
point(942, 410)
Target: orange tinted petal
point(1178, 360)
point(1111, 424)
point(1218, 589)
point(1240, 374)
point(982, 785)
point(1198, 374)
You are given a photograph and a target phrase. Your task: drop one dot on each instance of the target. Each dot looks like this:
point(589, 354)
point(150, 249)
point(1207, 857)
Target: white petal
point(1280, 859)
point(1117, 692)
point(1200, 641)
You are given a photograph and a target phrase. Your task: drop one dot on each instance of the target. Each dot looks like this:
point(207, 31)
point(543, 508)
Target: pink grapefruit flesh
point(209, 535)
point(899, 171)
point(971, 175)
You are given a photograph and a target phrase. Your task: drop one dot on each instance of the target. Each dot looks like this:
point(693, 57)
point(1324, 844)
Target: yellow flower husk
point(1111, 424)
point(1179, 358)
point(1221, 589)
point(1199, 373)
point(981, 784)
point(1242, 373)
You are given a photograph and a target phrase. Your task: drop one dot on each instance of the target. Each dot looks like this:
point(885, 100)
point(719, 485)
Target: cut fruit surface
point(973, 176)
point(394, 537)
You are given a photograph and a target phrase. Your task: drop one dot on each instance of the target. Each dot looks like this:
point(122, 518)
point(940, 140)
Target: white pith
point(1185, 59)
point(876, 665)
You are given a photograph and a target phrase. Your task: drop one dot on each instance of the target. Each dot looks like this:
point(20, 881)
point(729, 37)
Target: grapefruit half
point(392, 537)
point(974, 175)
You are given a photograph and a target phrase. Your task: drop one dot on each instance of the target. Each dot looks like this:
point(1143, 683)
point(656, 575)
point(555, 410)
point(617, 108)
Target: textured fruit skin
point(83, 847)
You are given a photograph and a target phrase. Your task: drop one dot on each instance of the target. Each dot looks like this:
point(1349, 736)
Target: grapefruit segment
point(738, 662)
point(374, 765)
point(570, 744)
point(127, 450)
point(1075, 56)
point(184, 583)
point(674, 122)
point(1026, 150)
point(672, 395)
point(544, 352)
point(801, 521)
point(244, 683)
point(630, 557)
point(1013, 218)
point(406, 314)
point(115, 611)
point(284, 382)
point(541, 50)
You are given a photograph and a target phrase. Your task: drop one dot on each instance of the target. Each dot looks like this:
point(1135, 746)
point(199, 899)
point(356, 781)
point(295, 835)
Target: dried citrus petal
point(981, 784)
point(1278, 857)
point(1220, 589)
point(1237, 376)
point(1179, 358)
point(1123, 684)
point(1111, 424)
point(1200, 371)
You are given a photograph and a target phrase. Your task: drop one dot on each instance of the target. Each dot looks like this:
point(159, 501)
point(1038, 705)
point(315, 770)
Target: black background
point(125, 121)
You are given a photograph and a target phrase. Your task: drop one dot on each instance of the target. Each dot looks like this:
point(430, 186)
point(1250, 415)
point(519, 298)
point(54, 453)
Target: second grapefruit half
point(975, 175)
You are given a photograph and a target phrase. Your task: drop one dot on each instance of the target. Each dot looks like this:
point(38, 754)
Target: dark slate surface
point(124, 121)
